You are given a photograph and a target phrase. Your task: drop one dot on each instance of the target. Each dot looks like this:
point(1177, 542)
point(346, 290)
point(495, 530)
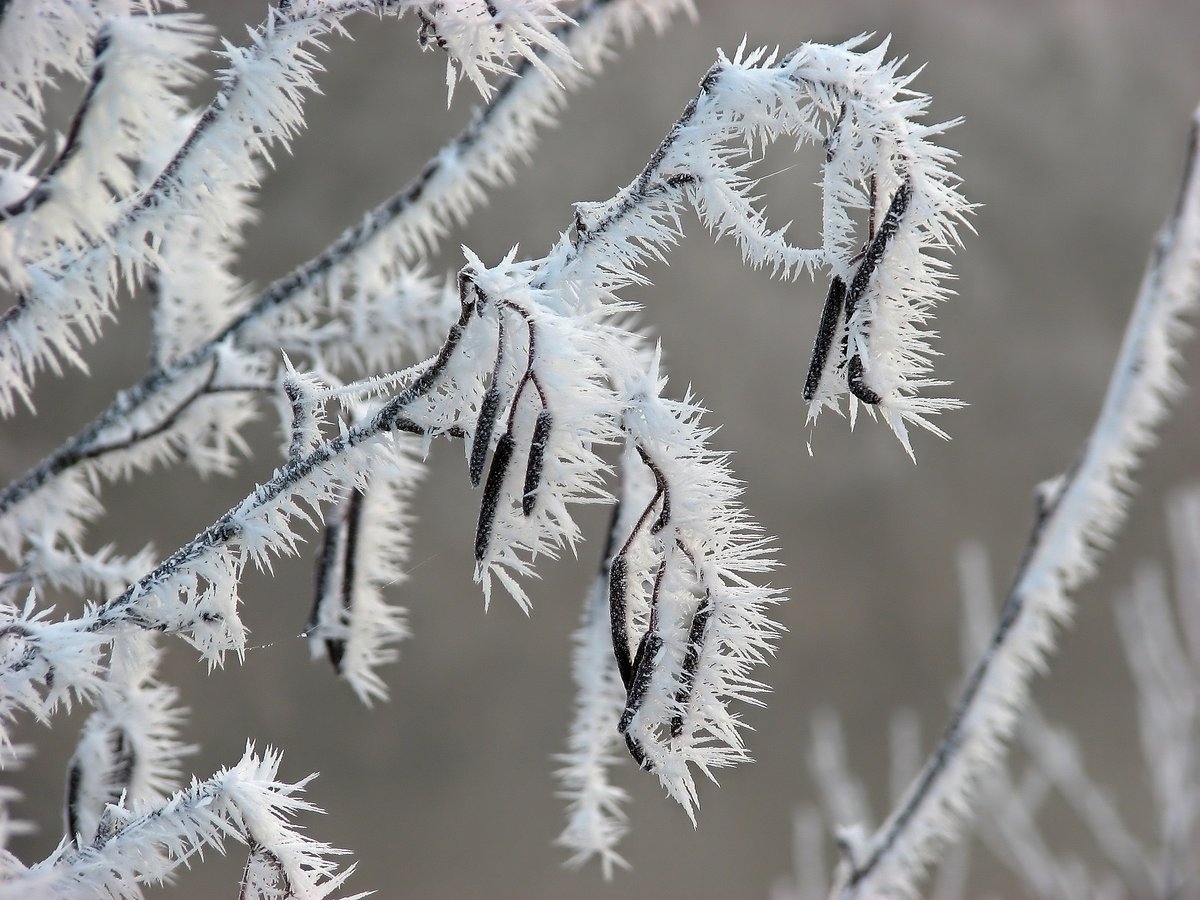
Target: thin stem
point(618, 572)
point(170, 418)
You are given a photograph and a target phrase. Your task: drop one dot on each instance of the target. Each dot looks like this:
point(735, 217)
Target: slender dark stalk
point(644, 661)
point(662, 489)
point(169, 419)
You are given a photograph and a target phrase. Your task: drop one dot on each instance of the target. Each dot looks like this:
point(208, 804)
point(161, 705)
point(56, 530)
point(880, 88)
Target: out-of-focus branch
point(1078, 515)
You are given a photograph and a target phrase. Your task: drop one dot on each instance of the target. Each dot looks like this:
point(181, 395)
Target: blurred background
point(1076, 115)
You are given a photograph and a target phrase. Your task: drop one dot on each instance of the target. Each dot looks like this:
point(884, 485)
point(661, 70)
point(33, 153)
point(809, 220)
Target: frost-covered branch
point(541, 370)
point(358, 303)
point(144, 843)
point(1078, 516)
point(67, 291)
point(535, 365)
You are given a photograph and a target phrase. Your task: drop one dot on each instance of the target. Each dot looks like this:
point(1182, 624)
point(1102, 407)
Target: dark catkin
point(491, 494)
point(74, 781)
point(834, 300)
point(327, 560)
point(537, 459)
point(351, 524)
point(691, 660)
point(874, 254)
point(617, 615)
point(644, 670)
point(488, 411)
point(329, 581)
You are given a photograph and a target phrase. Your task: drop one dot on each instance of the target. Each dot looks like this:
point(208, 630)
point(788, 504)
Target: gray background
point(1076, 116)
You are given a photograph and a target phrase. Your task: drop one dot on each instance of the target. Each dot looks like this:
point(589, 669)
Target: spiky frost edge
point(145, 843)
point(194, 591)
point(638, 223)
point(479, 37)
point(44, 663)
point(1008, 825)
point(568, 357)
point(197, 417)
point(65, 566)
point(1079, 517)
point(596, 822)
point(369, 279)
point(879, 138)
point(195, 293)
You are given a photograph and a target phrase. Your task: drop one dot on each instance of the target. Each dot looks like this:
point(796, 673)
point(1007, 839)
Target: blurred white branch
point(1078, 516)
